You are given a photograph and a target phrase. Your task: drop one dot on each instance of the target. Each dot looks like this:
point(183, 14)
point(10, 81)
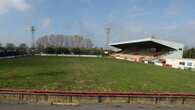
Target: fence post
point(46, 97)
point(70, 99)
point(156, 100)
point(129, 99)
point(183, 100)
point(21, 97)
point(99, 99)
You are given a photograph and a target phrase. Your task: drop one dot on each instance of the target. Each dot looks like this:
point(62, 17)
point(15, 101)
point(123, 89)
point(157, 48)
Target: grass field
point(92, 74)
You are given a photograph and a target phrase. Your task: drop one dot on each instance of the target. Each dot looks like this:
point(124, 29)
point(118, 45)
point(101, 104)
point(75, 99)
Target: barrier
point(52, 97)
point(69, 55)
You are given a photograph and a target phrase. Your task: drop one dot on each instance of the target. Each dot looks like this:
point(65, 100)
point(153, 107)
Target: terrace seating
point(134, 58)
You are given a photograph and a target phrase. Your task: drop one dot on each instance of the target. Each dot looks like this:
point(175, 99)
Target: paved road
point(94, 107)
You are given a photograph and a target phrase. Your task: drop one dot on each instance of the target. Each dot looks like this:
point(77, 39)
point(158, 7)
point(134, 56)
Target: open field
point(92, 74)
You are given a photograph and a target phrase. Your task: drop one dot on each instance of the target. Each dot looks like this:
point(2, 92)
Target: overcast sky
point(128, 19)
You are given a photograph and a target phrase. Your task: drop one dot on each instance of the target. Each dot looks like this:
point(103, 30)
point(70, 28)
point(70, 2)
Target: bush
point(66, 51)
point(96, 51)
point(57, 50)
point(50, 50)
point(76, 50)
point(87, 51)
point(62, 50)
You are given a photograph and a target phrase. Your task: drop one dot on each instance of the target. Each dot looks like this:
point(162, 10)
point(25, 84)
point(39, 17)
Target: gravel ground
point(94, 107)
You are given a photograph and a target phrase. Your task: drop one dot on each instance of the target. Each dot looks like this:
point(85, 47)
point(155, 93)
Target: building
point(151, 47)
point(183, 63)
point(155, 51)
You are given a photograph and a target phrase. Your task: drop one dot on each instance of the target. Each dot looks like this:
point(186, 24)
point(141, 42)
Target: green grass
point(92, 74)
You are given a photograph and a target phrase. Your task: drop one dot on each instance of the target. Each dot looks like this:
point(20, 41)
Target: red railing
point(92, 94)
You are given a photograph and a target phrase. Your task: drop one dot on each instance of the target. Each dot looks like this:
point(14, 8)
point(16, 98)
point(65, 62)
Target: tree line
point(71, 41)
point(63, 44)
point(11, 50)
point(189, 53)
point(67, 44)
point(75, 51)
point(53, 44)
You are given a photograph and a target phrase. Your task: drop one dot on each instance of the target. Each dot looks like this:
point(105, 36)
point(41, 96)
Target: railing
point(109, 94)
point(127, 96)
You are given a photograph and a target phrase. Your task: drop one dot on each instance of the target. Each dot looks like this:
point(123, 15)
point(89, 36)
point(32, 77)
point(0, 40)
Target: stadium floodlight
point(32, 29)
point(107, 37)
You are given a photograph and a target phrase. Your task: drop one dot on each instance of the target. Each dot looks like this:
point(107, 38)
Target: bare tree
point(88, 43)
point(64, 41)
point(43, 42)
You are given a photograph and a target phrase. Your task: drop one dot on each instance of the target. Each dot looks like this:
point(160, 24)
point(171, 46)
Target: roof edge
point(171, 44)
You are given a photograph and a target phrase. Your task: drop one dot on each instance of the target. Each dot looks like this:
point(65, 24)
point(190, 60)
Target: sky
point(172, 20)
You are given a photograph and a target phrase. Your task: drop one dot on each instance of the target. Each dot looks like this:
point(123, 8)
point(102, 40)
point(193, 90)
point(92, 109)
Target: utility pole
point(32, 29)
point(107, 37)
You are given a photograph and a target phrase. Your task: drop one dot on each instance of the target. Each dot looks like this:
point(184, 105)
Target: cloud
point(184, 26)
point(45, 23)
point(172, 12)
point(192, 24)
point(19, 5)
point(27, 27)
point(175, 8)
point(87, 2)
point(137, 11)
point(127, 31)
point(170, 27)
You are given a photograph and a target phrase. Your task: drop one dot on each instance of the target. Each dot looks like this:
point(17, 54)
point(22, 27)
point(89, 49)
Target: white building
point(181, 63)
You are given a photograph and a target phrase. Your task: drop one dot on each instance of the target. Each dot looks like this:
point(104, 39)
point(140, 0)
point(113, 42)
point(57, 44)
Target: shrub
point(50, 50)
point(76, 50)
point(62, 50)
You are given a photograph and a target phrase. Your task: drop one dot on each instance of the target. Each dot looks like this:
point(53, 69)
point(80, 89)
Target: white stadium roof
point(170, 44)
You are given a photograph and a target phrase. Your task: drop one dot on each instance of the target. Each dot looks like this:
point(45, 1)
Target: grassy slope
point(92, 74)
